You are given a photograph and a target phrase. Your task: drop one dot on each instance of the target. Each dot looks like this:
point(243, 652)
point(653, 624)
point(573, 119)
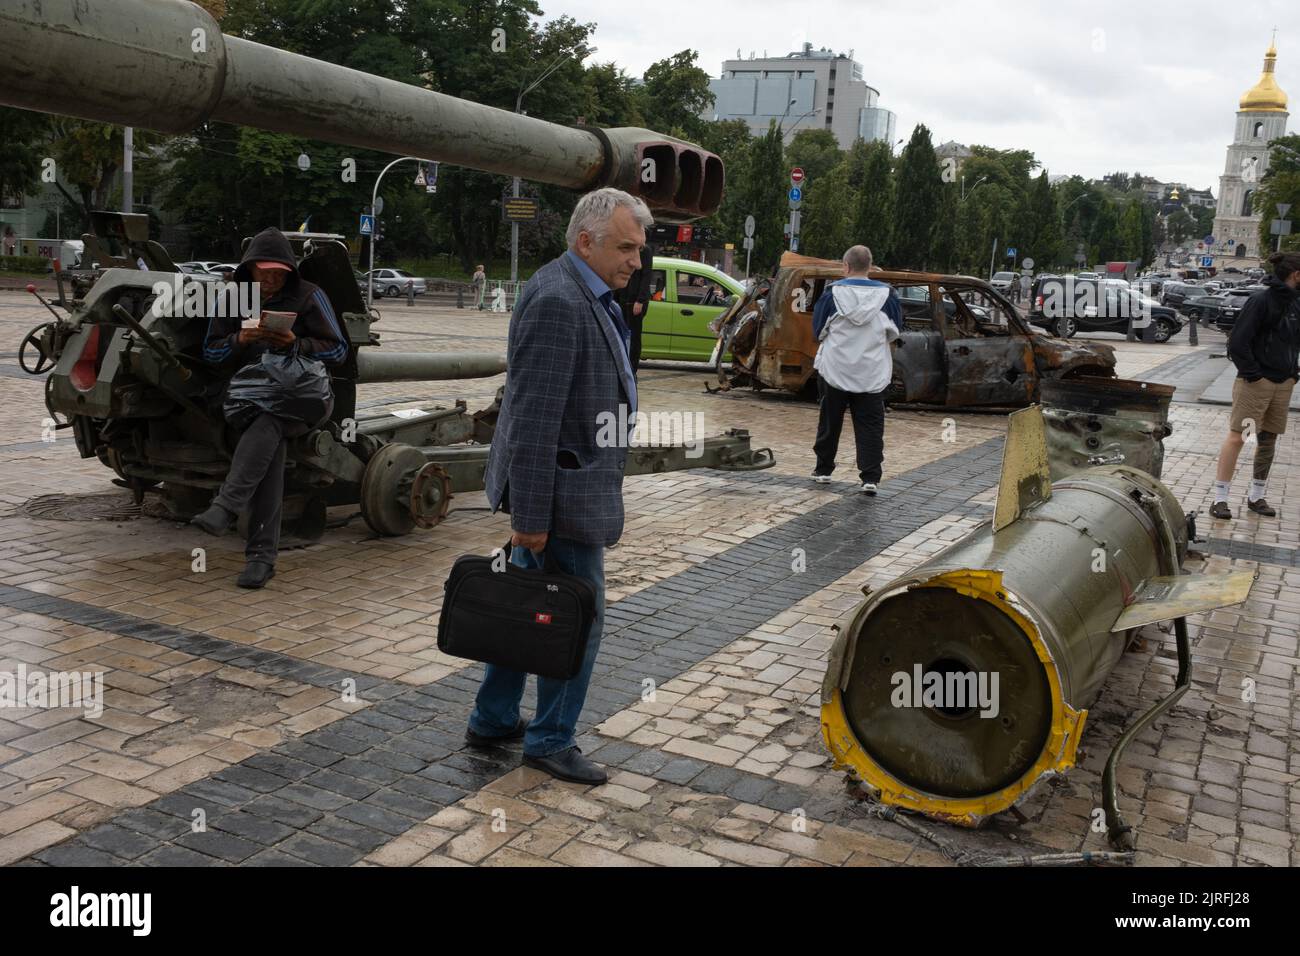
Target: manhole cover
point(111, 506)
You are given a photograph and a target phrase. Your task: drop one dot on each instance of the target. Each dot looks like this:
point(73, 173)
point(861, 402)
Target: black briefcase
point(535, 621)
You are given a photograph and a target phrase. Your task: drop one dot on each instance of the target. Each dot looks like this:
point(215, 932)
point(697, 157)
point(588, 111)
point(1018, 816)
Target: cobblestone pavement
point(705, 701)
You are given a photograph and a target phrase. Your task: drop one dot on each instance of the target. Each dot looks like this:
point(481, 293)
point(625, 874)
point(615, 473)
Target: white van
point(67, 251)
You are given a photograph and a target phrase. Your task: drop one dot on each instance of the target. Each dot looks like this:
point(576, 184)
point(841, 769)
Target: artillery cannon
point(137, 393)
point(134, 387)
point(172, 70)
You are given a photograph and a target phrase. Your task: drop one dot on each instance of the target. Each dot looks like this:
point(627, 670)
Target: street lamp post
point(795, 125)
point(374, 197)
point(514, 226)
point(964, 194)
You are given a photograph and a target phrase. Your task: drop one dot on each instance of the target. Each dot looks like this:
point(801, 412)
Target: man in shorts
point(1265, 347)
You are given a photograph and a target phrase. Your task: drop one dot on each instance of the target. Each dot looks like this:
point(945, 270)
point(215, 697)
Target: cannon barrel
point(165, 65)
point(378, 366)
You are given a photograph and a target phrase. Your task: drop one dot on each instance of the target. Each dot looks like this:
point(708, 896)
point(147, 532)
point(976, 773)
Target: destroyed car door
point(988, 362)
point(918, 354)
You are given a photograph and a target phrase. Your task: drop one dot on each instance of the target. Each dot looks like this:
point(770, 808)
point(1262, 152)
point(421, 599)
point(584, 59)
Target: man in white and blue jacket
point(855, 321)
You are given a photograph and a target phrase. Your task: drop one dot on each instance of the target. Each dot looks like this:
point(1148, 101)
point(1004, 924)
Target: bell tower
point(1261, 118)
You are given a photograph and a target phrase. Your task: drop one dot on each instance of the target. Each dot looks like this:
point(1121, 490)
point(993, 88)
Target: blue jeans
point(559, 702)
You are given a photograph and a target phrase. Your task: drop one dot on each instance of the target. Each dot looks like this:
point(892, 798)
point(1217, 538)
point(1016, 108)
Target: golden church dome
point(1266, 96)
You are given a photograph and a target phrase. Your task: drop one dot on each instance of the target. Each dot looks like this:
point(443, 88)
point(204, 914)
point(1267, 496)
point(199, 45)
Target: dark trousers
point(255, 482)
point(868, 410)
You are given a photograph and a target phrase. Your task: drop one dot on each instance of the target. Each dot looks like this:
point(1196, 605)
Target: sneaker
point(821, 479)
point(1220, 510)
point(868, 488)
point(1261, 507)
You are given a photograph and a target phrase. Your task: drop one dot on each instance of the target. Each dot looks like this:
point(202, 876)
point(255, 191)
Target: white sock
point(1221, 490)
point(1257, 489)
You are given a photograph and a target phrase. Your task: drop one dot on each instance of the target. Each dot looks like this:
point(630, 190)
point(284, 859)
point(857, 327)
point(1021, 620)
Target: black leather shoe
point(485, 740)
point(568, 765)
point(255, 574)
point(1220, 510)
point(216, 520)
point(1261, 507)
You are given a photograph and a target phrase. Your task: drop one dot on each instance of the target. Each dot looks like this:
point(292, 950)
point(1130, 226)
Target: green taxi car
point(685, 296)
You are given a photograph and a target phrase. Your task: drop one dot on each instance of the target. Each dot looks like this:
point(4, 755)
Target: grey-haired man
point(569, 373)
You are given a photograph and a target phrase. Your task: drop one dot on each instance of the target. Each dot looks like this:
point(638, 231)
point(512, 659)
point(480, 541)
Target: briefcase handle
point(548, 559)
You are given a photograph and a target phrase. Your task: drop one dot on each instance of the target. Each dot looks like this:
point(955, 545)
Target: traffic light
point(379, 229)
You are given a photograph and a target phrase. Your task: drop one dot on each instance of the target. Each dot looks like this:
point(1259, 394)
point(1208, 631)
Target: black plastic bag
point(285, 384)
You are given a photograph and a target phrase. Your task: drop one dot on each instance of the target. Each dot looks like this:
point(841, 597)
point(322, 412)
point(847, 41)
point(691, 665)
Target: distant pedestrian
point(854, 321)
point(1025, 285)
point(10, 241)
point(1265, 347)
point(480, 286)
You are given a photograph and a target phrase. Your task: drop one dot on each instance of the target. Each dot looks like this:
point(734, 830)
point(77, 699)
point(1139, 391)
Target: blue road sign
point(1011, 253)
point(367, 225)
point(796, 194)
point(1210, 240)
point(1207, 261)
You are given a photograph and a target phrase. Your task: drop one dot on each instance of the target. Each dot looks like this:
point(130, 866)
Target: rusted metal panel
point(1110, 421)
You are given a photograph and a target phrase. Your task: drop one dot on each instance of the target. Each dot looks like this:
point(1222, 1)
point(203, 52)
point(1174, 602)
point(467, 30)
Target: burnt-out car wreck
point(964, 344)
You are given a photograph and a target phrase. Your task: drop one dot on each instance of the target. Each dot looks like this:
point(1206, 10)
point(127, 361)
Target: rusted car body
point(964, 344)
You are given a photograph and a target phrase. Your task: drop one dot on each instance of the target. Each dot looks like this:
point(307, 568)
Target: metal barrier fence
point(499, 295)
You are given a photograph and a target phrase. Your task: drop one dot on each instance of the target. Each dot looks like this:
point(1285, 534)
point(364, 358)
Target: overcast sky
point(1092, 88)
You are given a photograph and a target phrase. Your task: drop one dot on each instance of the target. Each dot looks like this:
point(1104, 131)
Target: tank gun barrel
point(165, 65)
point(379, 366)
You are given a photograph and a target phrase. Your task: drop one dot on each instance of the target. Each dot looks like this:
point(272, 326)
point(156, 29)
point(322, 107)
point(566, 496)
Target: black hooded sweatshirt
point(317, 329)
point(1265, 339)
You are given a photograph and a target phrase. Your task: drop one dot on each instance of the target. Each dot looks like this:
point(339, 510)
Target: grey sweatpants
point(255, 482)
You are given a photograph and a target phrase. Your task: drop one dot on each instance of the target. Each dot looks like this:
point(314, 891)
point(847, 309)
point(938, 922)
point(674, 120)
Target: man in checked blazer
point(552, 465)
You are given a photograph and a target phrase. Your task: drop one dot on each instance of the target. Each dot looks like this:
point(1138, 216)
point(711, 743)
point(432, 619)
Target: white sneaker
point(821, 479)
point(868, 488)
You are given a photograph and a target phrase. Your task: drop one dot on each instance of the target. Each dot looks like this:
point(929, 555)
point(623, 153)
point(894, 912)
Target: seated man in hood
point(255, 480)
point(855, 321)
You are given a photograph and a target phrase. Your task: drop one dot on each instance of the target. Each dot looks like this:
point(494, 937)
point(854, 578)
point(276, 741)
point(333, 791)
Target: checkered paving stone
point(719, 762)
point(403, 756)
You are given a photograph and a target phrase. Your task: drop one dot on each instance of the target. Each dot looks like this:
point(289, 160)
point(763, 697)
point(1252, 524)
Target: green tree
point(675, 94)
point(827, 229)
point(815, 151)
point(1130, 227)
point(975, 231)
point(1180, 226)
point(946, 239)
point(1045, 239)
point(610, 97)
point(23, 134)
point(730, 141)
point(1106, 240)
point(916, 202)
point(765, 183)
point(869, 172)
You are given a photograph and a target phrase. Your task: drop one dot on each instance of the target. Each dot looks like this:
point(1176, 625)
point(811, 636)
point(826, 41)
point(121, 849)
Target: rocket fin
point(1161, 599)
point(1026, 476)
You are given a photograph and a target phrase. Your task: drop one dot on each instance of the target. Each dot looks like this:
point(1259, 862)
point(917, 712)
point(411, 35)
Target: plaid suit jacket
point(565, 383)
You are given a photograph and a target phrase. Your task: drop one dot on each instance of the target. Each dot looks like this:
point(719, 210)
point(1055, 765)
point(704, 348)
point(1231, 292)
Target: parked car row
point(1066, 305)
point(1220, 308)
point(390, 282)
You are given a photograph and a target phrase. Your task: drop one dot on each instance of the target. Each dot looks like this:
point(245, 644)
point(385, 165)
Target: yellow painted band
point(1058, 752)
